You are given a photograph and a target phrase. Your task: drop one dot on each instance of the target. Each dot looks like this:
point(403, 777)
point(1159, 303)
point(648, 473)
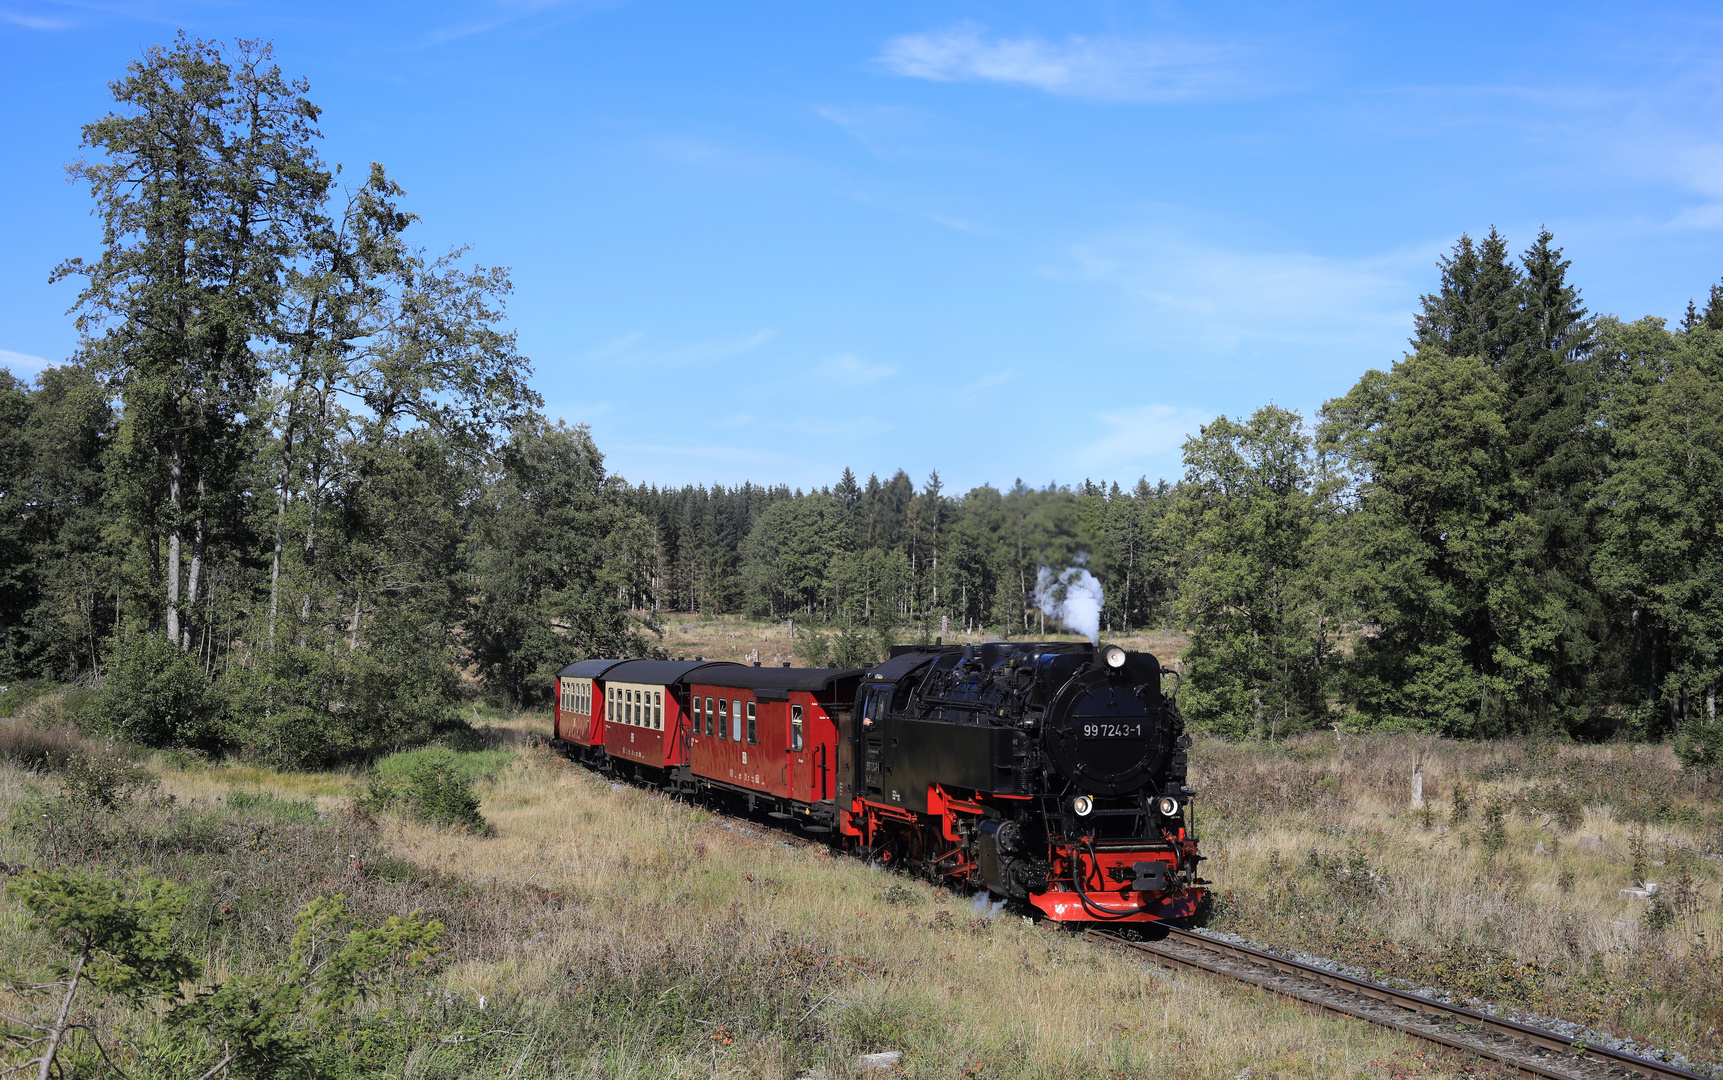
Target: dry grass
point(732, 637)
point(624, 934)
point(1315, 846)
point(671, 900)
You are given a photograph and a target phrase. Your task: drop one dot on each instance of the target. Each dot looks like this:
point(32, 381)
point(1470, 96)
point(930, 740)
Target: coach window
point(753, 729)
point(698, 713)
point(723, 719)
point(708, 716)
point(736, 719)
point(658, 709)
point(796, 728)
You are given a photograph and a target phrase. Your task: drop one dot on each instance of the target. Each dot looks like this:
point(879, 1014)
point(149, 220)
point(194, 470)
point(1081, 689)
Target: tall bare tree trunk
point(280, 532)
point(176, 467)
point(196, 570)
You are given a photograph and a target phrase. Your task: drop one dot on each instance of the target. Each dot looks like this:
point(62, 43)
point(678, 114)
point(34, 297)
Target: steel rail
point(1533, 1051)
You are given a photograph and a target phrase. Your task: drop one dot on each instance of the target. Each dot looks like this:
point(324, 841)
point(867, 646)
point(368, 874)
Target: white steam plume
point(1071, 597)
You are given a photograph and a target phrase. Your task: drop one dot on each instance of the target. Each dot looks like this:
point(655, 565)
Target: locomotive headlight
point(1169, 806)
point(1082, 805)
point(1114, 656)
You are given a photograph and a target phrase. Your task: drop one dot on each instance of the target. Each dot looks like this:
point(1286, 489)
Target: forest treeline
point(1513, 529)
point(294, 497)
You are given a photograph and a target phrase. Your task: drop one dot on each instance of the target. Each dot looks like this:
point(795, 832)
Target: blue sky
point(997, 239)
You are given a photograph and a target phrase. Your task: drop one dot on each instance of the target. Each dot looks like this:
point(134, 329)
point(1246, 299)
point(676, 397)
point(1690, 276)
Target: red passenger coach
point(645, 728)
point(580, 706)
point(769, 735)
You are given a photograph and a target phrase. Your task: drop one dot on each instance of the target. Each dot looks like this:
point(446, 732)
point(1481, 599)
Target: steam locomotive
point(1049, 773)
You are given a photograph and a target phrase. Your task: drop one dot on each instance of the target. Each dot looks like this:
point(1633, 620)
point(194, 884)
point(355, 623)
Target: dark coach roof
point(661, 672)
point(587, 669)
point(777, 678)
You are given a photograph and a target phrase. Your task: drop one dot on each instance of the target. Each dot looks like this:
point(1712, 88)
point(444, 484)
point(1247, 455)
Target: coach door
point(798, 754)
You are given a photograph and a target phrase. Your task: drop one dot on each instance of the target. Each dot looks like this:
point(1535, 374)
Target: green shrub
point(434, 784)
point(475, 765)
point(156, 695)
point(1699, 745)
point(105, 782)
point(266, 804)
point(307, 708)
point(69, 707)
point(1495, 834)
point(20, 694)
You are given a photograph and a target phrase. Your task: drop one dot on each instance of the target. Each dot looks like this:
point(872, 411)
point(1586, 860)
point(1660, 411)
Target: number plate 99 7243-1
point(1106, 730)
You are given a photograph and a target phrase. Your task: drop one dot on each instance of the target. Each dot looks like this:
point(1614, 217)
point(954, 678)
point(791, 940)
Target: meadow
point(593, 930)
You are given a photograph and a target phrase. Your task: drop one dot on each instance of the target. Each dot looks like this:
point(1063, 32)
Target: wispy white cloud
point(21, 363)
point(987, 382)
point(615, 346)
point(638, 348)
point(506, 13)
point(701, 153)
point(708, 452)
point(1103, 68)
point(1134, 435)
point(34, 22)
point(884, 130)
point(848, 369)
point(1225, 299)
point(579, 412)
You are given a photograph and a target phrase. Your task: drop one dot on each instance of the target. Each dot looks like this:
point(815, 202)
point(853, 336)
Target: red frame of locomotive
point(727, 730)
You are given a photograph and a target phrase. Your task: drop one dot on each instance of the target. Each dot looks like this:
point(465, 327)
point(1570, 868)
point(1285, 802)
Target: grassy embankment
point(1516, 897)
point(596, 931)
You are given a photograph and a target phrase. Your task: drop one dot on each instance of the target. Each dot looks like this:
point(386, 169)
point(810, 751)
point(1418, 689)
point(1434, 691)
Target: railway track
point(1531, 1051)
